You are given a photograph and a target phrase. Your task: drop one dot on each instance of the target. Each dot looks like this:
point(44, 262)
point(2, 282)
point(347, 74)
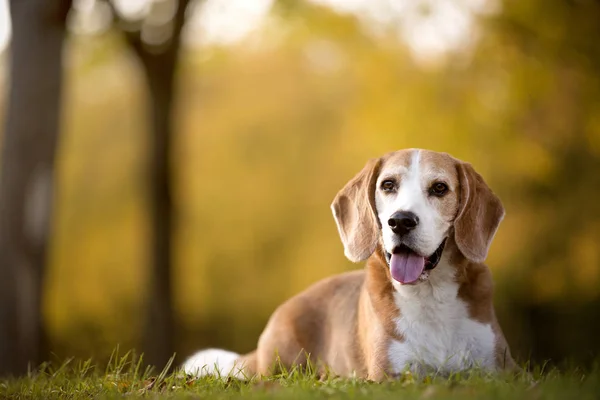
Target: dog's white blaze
point(213, 362)
point(412, 196)
point(438, 333)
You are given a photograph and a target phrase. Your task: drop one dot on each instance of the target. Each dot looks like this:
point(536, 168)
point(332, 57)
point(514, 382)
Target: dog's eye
point(388, 185)
point(438, 189)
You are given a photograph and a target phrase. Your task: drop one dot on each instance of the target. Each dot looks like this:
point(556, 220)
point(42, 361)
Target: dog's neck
point(441, 285)
point(378, 291)
point(387, 296)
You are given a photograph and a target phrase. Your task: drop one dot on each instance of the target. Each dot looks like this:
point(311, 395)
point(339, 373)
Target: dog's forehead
point(398, 161)
point(440, 163)
point(429, 163)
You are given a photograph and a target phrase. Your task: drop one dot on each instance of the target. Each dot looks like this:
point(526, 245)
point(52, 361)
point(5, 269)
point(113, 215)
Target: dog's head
point(411, 202)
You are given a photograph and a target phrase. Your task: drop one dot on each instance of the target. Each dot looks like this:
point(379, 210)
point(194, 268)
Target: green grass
point(125, 378)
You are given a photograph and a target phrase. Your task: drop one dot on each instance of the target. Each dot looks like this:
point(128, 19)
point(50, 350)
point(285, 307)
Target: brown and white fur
point(365, 323)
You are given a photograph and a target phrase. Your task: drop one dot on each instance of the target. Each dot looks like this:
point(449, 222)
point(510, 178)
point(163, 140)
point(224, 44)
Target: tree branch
point(132, 36)
point(179, 18)
point(132, 30)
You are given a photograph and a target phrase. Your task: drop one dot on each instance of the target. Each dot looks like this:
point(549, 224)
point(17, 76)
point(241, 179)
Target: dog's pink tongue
point(406, 267)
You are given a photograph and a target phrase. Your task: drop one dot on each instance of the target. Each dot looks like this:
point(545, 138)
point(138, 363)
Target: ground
point(125, 378)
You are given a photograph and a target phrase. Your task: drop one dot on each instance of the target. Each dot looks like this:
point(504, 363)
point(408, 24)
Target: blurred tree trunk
point(27, 175)
point(159, 63)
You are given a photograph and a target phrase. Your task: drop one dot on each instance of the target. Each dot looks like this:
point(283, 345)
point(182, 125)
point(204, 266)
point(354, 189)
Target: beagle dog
point(424, 221)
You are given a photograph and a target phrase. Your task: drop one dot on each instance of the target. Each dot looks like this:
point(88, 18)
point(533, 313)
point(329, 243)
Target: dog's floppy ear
point(479, 215)
point(354, 212)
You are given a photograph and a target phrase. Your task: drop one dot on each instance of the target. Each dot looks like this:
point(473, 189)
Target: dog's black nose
point(403, 222)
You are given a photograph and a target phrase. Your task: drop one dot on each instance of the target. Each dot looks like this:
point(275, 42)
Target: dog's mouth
point(407, 267)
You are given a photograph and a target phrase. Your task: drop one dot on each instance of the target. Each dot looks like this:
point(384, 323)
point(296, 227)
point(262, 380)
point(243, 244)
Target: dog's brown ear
point(480, 213)
point(355, 215)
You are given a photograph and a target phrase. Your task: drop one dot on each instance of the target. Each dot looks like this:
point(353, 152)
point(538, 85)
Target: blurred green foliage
point(267, 132)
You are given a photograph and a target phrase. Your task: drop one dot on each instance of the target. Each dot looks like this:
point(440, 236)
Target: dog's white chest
point(438, 333)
